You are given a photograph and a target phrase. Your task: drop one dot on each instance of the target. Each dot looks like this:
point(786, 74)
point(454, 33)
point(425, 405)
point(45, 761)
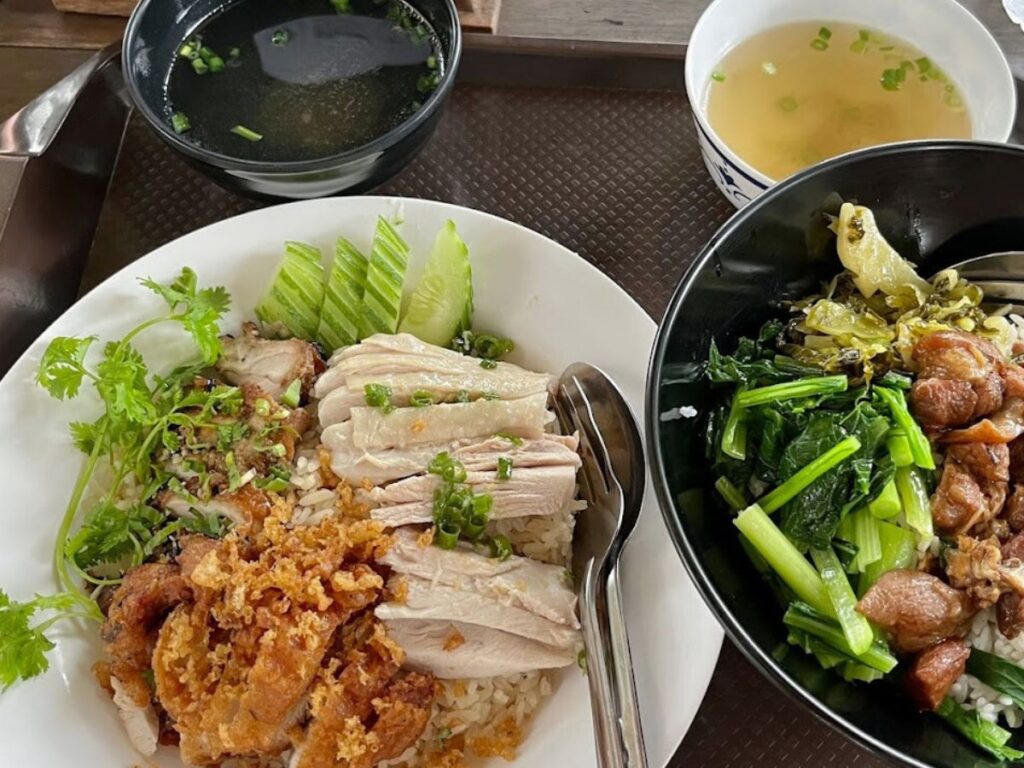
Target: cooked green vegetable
point(856, 629)
point(899, 448)
point(808, 619)
point(732, 495)
point(887, 504)
point(292, 303)
point(385, 275)
point(342, 307)
point(483, 345)
point(442, 304)
point(734, 434)
point(246, 133)
point(899, 550)
point(989, 736)
point(996, 672)
point(914, 498)
point(792, 390)
point(875, 265)
point(896, 402)
point(860, 528)
point(291, 396)
point(791, 566)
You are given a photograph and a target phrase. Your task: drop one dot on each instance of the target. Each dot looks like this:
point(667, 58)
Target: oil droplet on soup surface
point(800, 93)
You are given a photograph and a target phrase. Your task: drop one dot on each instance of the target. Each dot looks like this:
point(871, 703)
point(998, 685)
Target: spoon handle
point(593, 617)
point(628, 710)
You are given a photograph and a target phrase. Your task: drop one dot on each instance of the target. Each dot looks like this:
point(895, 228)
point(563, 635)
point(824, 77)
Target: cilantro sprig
point(143, 414)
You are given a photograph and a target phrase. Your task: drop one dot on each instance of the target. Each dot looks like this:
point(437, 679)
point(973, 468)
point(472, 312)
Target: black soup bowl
point(156, 30)
point(937, 203)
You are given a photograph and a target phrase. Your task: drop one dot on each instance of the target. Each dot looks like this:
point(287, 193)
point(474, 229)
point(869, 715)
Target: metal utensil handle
point(32, 129)
point(632, 737)
point(608, 745)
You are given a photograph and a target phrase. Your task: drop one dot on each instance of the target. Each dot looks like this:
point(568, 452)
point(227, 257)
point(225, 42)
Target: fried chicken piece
point(193, 549)
point(272, 364)
point(364, 715)
point(145, 596)
point(916, 609)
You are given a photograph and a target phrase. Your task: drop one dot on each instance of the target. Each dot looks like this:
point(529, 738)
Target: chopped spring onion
point(379, 396)
point(860, 528)
point(989, 736)
point(474, 527)
point(216, 63)
point(188, 50)
point(180, 122)
point(488, 365)
point(342, 6)
point(887, 504)
point(791, 390)
point(899, 550)
point(504, 468)
point(293, 394)
point(514, 439)
point(734, 434)
point(200, 67)
point(808, 474)
point(919, 446)
point(733, 496)
point(785, 559)
point(280, 37)
point(343, 297)
point(421, 398)
point(718, 77)
point(446, 535)
point(804, 617)
point(501, 549)
point(261, 407)
point(247, 133)
point(385, 274)
point(234, 53)
point(914, 498)
point(447, 468)
point(856, 629)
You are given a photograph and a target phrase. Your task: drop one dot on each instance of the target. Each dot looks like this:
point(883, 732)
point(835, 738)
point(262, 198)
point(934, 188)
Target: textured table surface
point(613, 175)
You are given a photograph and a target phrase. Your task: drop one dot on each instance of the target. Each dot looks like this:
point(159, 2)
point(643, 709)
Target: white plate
point(557, 307)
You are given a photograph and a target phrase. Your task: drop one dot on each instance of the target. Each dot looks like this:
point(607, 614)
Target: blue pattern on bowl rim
point(738, 185)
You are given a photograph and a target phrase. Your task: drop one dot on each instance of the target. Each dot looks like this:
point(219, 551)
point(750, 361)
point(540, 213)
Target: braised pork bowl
point(835, 421)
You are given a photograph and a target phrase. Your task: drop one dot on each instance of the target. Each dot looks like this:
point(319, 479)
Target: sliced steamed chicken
point(466, 615)
point(407, 365)
point(476, 454)
point(530, 492)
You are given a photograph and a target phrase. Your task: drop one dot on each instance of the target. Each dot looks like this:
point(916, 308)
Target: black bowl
point(158, 27)
point(938, 203)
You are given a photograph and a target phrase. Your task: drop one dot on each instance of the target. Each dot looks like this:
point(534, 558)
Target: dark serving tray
point(596, 151)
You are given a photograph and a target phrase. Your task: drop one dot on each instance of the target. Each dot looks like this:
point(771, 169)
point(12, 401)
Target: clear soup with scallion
point(292, 80)
point(798, 94)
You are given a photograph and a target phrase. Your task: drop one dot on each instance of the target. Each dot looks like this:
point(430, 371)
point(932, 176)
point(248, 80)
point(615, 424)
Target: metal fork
point(612, 481)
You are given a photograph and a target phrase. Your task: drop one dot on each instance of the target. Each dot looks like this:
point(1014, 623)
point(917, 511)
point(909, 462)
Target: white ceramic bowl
point(943, 29)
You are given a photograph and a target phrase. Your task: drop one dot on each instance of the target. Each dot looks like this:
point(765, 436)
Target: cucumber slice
point(382, 299)
point(442, 304)
point(291, 306)
point(343, 297)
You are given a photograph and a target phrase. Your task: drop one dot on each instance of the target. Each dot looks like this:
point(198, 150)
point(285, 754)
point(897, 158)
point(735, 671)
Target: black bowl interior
point(937, 203)
point(158, 27)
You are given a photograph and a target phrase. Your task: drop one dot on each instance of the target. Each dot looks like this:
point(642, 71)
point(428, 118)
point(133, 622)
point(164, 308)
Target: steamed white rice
point(984, 634)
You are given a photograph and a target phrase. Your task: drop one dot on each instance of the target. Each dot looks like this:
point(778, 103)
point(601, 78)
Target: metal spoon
point(612, 481)
point(29, 131)
point(999, 275)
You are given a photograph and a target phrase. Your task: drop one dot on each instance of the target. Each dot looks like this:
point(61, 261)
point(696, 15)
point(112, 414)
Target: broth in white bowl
point(776, 86)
